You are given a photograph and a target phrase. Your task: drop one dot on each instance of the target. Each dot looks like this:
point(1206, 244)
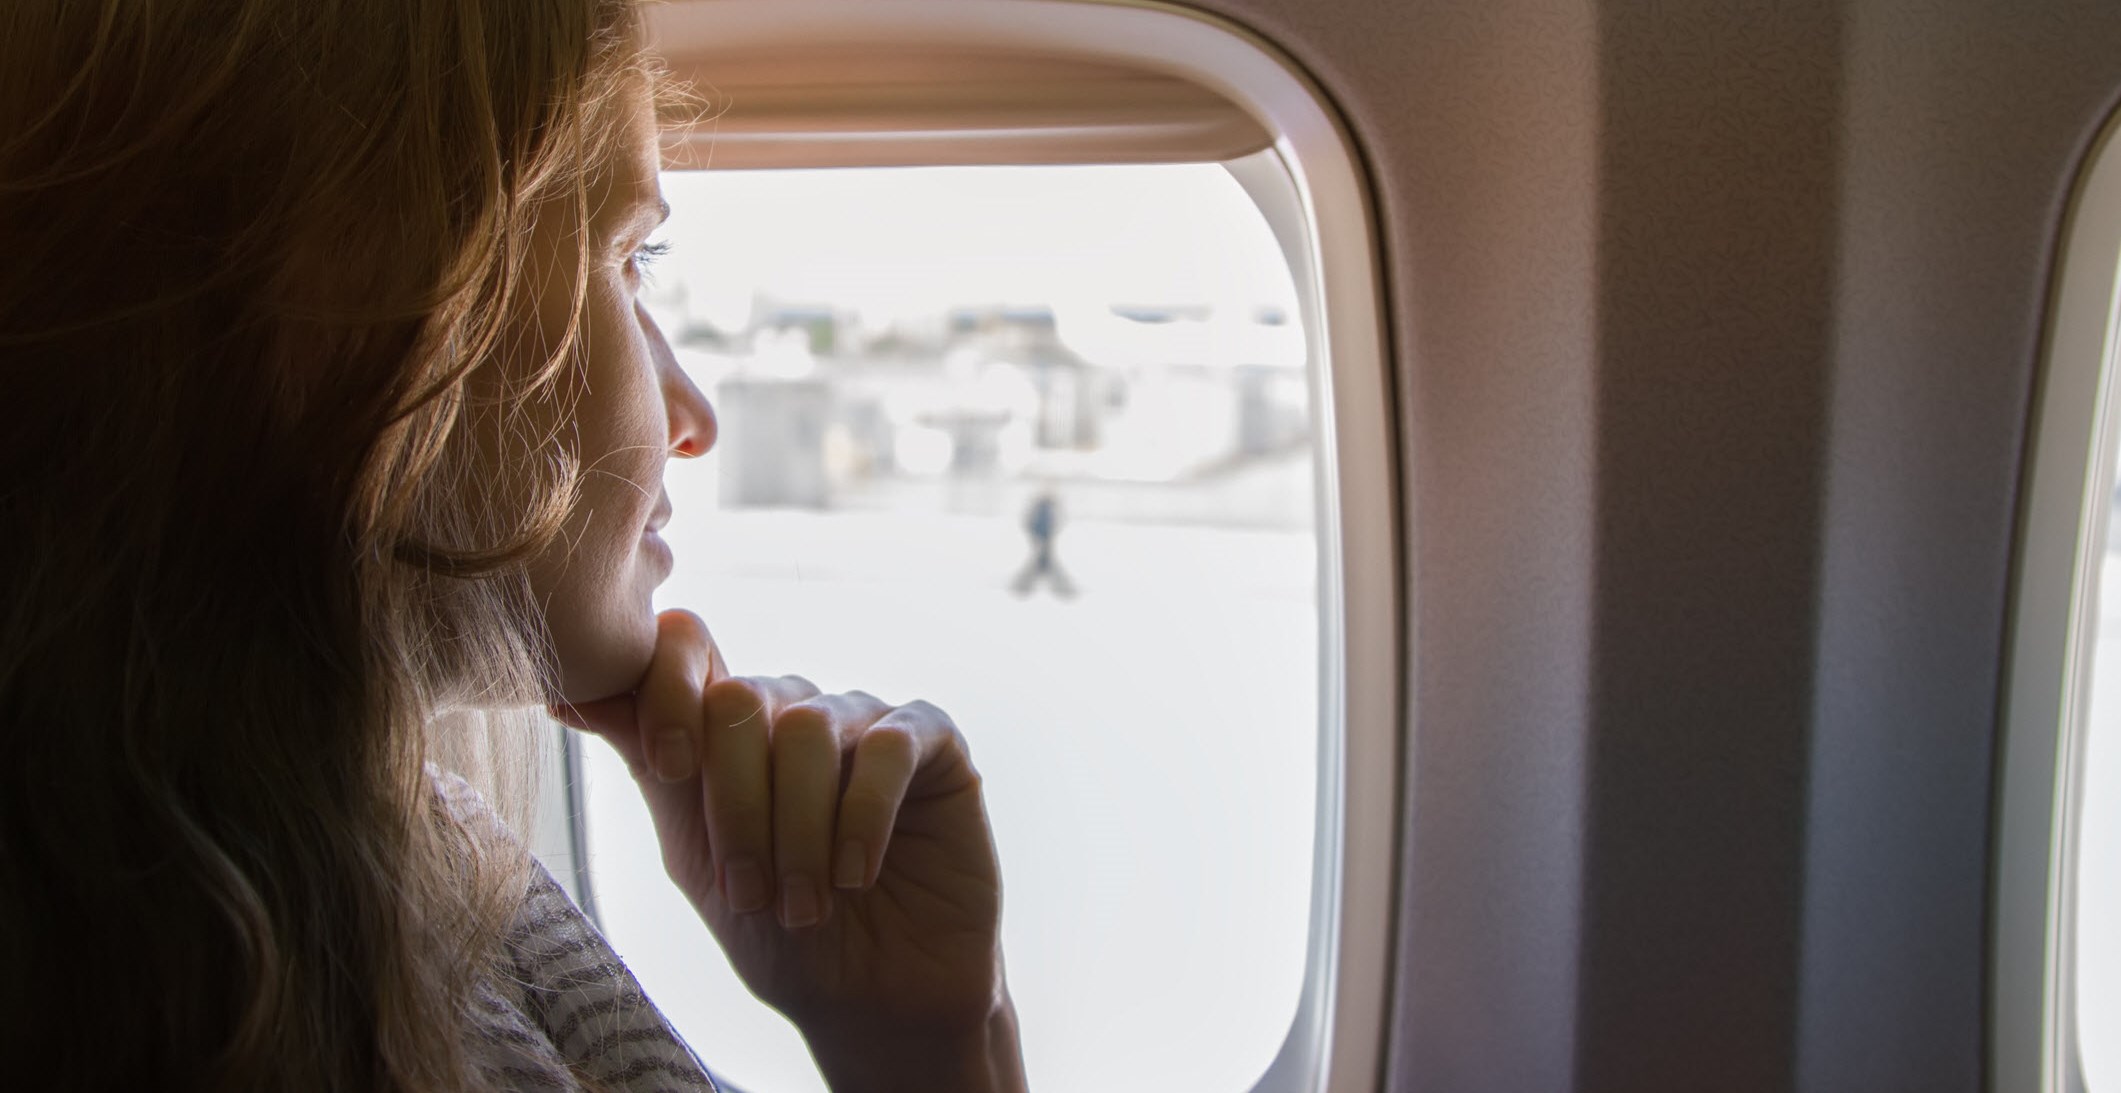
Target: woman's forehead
point(628, 192)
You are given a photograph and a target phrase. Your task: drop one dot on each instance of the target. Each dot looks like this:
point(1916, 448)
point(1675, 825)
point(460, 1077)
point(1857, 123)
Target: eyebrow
point(646, 215)
point(639, 218)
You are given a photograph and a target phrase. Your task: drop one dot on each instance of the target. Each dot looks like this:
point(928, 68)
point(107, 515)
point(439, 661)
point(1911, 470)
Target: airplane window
point(2055, 986)
point(2098, 837)
point(1036, 444)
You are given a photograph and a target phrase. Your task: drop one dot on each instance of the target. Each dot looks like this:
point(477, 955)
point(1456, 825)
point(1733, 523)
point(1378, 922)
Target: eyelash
point(647, 255)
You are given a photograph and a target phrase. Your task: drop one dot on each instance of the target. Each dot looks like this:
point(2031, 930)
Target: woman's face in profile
point(636, 408)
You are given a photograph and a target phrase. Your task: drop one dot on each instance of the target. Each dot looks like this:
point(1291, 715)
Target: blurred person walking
point(1042, 523)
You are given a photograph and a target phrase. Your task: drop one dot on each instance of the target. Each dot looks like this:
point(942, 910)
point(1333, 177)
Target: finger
point(668, 706)
point(806, 789)
point(604, 717)
point(737, 787)
point(717, 668)
point(884, 760)
point(614, 718)
point(914, 749)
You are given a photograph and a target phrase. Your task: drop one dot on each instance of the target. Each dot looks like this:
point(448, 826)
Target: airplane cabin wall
point(1967, 129)
point(1715, 329)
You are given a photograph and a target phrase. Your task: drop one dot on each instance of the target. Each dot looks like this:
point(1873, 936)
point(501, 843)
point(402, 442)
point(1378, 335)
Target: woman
point(334, 429)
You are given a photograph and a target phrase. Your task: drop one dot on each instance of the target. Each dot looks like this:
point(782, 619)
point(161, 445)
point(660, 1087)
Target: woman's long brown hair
point(250, 253)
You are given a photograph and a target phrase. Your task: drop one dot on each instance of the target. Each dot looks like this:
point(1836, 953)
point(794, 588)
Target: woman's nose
point(692, 424)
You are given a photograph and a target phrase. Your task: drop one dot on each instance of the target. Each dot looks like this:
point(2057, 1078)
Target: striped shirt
point(569, 1016)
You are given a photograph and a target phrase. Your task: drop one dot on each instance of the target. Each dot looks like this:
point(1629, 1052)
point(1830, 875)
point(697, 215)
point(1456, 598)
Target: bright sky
point(908, 240)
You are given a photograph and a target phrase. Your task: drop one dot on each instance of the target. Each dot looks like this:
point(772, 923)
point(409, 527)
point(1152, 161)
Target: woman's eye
point(646, 255)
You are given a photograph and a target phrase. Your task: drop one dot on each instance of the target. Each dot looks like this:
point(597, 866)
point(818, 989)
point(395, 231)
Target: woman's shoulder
point(568, 1003)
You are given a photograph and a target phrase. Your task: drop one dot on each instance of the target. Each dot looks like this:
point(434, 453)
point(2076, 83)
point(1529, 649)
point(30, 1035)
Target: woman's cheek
point(597, 585)
point(603, 635)
point(600, 612)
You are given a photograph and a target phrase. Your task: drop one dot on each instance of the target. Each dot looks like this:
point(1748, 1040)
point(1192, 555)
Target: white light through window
point(904, 362)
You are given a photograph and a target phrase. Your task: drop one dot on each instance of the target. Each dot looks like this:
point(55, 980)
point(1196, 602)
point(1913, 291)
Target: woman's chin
point(603, 631)
point(610, 662)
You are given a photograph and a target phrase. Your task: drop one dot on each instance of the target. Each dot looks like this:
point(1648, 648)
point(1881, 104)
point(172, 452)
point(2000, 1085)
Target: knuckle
point(931, 712)
point(954, 743)
point(868, 804)
point(735, 812)
point(657, 730)
point(680, 621)
point(889, 740)
point(805, 727)
point(735, 700)
point(730, 688)
point(816, 710)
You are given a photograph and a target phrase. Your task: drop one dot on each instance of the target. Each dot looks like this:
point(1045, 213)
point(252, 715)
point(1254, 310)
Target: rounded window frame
point(1321, 207)
point(2066, 502)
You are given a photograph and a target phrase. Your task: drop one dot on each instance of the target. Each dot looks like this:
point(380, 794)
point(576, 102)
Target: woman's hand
point(838, 848)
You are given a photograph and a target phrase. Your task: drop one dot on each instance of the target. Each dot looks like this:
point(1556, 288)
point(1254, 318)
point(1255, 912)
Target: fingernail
point(674, 761)
point(852, 866)
point(798, 901)
point(745, 885)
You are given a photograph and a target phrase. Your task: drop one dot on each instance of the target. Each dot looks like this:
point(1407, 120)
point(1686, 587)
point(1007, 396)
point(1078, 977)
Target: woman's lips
point(652, 543)
point(658, 550)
